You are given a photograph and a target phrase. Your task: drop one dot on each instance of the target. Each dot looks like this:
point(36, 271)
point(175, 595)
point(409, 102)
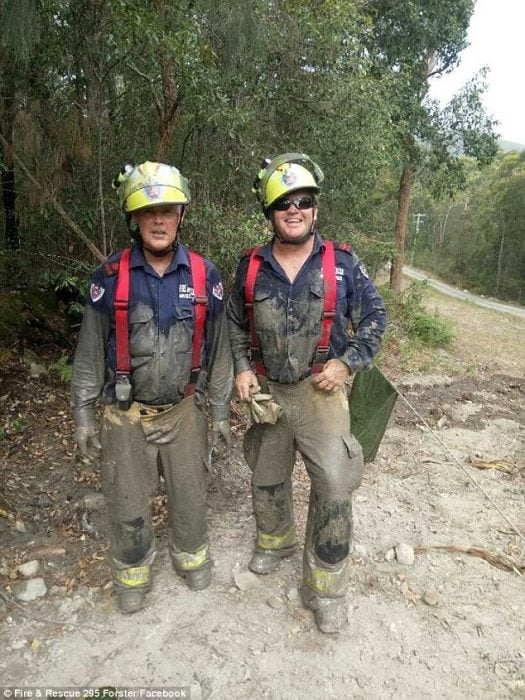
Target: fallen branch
point(501, 561)
point(56, 204)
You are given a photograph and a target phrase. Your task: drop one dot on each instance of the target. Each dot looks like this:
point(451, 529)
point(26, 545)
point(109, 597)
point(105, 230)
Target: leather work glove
point(86, 435)
point(221, 429)
point(263, 409)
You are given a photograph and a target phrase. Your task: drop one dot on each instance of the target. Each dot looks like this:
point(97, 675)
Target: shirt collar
point(266, 251)
point(181, 257)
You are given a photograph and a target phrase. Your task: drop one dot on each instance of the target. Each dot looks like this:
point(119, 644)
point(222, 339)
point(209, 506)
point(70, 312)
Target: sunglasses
point(298, 202)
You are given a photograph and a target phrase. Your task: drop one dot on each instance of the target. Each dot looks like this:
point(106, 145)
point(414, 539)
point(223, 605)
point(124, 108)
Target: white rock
point(36, 371)
point(293, 595)
point(360, 549)
point(94, 501)
point(30, 568)
point(405, 554)
point(19, 644)
point(195, 691)
point(19, 526)
point(244, 580)
point(431, 597)
point(30, 590)
point(390, 555)
point(275, 602)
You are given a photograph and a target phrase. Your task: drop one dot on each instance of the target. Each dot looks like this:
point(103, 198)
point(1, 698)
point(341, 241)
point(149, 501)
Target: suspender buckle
point(123, 391)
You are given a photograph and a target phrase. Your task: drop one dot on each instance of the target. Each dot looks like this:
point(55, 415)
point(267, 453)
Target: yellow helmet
point(149, 184)
point(285, 174)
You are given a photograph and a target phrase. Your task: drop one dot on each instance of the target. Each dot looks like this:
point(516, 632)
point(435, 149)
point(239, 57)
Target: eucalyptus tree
point(418, 40)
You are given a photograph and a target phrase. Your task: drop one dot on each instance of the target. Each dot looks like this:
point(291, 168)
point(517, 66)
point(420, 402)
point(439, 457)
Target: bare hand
point(333, 377)
point(245, 383)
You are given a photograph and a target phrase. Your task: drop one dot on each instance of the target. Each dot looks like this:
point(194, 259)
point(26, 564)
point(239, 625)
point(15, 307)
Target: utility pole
point(418, 218)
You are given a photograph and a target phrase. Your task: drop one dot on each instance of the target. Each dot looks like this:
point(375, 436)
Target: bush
point(408, 317)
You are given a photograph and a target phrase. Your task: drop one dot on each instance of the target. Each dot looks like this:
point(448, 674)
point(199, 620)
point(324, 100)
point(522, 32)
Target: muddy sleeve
point(238, 327)
point(218, 351)
point(368, 317)
point(89, 365)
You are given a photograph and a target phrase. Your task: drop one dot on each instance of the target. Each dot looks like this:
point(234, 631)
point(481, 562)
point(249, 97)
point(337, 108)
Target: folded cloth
point(263, 409)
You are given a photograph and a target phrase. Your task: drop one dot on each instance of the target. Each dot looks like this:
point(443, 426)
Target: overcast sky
point(496, 36)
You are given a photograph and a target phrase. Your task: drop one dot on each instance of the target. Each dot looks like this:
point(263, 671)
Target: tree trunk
point(7, 178)
point(12, 238)
point(167, 107)
point(403, 205)
point(500, 261)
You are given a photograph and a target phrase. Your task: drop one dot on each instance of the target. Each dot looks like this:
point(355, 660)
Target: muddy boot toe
point(131, 600)
point(330, 614)
point(198, 579)
point(264, 562)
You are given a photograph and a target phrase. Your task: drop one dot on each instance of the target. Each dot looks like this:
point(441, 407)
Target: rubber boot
point(130, 600)
point(197, 579)
point(268, 560)
point(330, 614)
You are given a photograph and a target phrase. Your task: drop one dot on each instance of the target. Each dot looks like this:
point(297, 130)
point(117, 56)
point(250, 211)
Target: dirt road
point(448, 625)
point(463, 294)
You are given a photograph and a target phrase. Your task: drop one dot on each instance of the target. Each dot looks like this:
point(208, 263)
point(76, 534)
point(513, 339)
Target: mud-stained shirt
point(287, 316)
point(161, 323)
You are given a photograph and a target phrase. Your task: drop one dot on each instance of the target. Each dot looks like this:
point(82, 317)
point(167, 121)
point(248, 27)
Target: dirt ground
point(449, 625)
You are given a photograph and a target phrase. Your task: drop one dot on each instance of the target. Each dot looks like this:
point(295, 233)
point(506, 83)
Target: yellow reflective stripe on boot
point(325, 581)
point(265, 541)
point(188, 561)
point(134, 576)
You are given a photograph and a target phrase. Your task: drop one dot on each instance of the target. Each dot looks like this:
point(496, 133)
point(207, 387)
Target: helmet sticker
point(96, 292)
point(218, 291)
point(289, 177)
point(152, 191)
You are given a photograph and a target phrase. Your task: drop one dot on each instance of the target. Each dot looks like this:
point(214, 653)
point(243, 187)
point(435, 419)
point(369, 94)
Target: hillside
point(448, 625)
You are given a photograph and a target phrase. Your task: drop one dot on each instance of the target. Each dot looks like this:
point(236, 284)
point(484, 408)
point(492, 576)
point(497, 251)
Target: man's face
point(158, 226)
point(295, 222)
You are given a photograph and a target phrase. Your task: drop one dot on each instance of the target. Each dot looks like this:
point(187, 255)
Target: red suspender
point(121, 314)
point(121, 304)
point(198, 273)
point(323, 345)
point(251, 277)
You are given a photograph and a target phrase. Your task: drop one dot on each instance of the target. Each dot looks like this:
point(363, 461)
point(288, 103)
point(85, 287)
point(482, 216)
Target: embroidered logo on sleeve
point(363, 269)
point(96, 292)
point(339, 272)
point(218, 291)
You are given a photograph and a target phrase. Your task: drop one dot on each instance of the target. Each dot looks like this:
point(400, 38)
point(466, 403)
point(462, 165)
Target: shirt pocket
point(181, 331)
point(265, 310)
point(142, 331)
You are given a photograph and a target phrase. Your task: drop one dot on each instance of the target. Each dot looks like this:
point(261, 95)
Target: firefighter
point(303, 317)
point(154, 419)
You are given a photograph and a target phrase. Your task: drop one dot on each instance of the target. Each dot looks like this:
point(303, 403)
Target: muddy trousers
point(317, 424)
point(130, 477)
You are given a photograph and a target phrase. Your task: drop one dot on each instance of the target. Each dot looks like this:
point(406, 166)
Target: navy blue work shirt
point(287, 315)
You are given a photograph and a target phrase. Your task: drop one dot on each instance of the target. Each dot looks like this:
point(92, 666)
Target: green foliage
point(407, 317)
point(17, 425)
point(69, 288)
point(477, 239)
point(62, 368)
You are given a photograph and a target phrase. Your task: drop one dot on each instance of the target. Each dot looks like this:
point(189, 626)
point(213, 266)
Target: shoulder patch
point(96, 292)
point(218, 291)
